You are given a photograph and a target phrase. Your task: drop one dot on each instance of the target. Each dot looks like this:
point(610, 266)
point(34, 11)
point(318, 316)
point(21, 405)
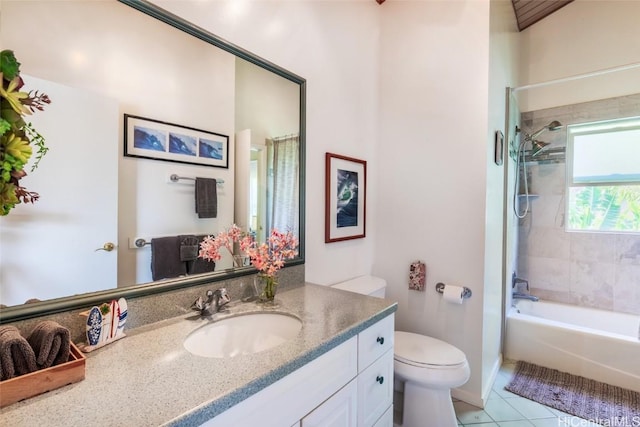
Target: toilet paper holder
point(466, 292)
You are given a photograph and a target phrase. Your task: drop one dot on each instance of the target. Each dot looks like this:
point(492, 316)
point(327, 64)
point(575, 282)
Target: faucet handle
point(223, 297)
point(518, 281)
point(198, 304)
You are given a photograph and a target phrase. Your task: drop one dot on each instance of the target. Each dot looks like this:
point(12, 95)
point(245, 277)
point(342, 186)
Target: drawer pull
point(379, 379)
point(380, 340)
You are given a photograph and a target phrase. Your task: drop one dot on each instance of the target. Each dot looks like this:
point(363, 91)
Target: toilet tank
point(365, 285)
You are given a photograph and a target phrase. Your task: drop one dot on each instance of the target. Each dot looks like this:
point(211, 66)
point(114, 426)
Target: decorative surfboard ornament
point(115, 318)
point(105, 324)
point(122, 303)
point(94, 326)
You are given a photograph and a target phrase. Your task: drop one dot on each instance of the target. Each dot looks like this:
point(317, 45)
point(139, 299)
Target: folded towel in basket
point(51, 344)
point(206, 197)
point(165, 258)
point(16, 355)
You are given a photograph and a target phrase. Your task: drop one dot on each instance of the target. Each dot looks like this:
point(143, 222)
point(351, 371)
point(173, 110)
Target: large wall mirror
point(102, 63)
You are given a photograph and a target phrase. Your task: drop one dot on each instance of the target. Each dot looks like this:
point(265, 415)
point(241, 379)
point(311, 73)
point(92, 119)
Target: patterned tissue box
point(417, 275)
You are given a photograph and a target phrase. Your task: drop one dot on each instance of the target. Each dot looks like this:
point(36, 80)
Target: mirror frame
point(57, 305)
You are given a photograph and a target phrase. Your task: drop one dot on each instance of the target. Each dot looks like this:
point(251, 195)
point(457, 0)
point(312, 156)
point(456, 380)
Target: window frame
point(591, 128)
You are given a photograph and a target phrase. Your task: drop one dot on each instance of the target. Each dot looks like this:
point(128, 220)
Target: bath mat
point(585, 398)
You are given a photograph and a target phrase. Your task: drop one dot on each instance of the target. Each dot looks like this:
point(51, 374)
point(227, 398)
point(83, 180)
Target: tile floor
point(505, 409)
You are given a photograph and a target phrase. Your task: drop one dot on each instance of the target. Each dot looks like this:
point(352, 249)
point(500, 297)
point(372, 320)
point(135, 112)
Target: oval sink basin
point(243, 334)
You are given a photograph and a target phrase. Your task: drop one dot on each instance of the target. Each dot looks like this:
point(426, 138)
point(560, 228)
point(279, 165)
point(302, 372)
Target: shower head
point(553, 126)
point(537, 147)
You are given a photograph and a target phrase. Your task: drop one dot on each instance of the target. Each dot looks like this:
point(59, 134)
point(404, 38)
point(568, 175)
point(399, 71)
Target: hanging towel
point(206, 198)
point(50, 342)
point(165, 258)
point(189, 248)
point(200, 265)
point(16, 355)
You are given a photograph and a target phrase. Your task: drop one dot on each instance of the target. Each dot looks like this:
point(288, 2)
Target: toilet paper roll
point(453, 294)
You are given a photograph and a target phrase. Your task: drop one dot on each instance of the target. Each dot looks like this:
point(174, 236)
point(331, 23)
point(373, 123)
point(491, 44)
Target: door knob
point(106, 247)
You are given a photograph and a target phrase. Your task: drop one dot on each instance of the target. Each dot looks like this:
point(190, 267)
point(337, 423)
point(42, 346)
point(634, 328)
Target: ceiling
point(528, 12)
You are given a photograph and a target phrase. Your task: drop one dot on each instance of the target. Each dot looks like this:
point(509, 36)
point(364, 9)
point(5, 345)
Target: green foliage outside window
point(605, 208)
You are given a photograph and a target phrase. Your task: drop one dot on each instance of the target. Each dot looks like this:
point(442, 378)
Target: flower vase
point(267, 286)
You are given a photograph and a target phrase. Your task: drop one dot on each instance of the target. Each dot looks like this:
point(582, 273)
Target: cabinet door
point(386, 420)
point(374, 341)
point(294, 396)
point(340, 410)
point(375, 390)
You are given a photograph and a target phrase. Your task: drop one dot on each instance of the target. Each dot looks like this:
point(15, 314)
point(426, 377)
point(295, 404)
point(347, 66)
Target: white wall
point(434, 65)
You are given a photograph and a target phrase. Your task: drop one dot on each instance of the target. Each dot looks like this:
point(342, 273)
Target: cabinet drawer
point(375, 390)
point(374, 341)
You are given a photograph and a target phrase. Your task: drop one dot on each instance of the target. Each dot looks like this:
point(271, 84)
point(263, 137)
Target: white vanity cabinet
point(375, 374)
point(348, 386)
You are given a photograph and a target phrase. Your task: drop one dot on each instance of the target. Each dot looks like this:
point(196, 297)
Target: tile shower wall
point(589, 269)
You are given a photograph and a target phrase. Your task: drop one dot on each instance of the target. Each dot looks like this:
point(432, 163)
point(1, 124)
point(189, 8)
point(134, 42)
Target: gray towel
point(189, 248)
point(200, 265)
point(165, 258)
point(206, 198)
point(51, 344)
point(16, 355)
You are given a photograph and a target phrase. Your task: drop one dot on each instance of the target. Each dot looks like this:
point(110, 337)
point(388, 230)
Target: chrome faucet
point(215, 301)
point(521, 289)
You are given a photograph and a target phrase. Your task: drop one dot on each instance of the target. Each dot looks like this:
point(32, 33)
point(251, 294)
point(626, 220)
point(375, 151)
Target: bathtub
point(595, 344)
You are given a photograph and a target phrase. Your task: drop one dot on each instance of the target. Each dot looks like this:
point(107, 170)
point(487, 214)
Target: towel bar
point(141, 242)
point(175, 178)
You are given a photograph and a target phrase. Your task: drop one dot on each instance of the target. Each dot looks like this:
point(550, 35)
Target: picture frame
point(345, 198)
point(157, 140)
point(499, 148)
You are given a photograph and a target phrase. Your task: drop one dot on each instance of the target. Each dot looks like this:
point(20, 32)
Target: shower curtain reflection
point(283, 156)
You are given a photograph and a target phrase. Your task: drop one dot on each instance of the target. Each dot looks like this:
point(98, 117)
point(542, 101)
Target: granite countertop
point(149, 379)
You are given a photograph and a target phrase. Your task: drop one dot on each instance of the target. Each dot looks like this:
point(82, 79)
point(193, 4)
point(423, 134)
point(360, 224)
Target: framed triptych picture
point(153, 139)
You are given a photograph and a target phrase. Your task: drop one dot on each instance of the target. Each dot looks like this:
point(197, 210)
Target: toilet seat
point(426, 352)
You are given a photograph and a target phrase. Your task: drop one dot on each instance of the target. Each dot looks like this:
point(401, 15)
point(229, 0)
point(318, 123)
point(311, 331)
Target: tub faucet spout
point(521, 289)
point(520, 295)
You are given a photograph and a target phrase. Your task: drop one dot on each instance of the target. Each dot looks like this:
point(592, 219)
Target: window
point(603, 176)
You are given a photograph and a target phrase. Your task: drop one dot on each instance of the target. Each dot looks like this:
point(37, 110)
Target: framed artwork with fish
point(345, 198)
point(153, 139)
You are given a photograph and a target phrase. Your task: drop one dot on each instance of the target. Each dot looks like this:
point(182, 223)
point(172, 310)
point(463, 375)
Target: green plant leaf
point(5, 126)
point(18, 148)
point(12, 94)
point(8, 198)
point(9, 65)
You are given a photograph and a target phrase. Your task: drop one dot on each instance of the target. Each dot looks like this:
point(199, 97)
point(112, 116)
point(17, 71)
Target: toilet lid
point(418, 349)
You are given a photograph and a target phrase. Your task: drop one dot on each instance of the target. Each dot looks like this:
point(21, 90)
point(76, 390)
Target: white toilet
point(429, 368)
